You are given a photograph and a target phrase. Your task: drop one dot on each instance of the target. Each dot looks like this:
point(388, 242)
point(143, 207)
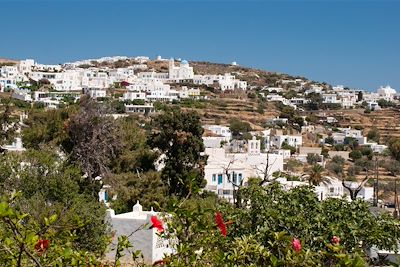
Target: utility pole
point(376, 182)
point(396, 201)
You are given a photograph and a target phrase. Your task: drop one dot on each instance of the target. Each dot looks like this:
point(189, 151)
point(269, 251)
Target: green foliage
point(383, 103)
point(51, 195)
point(355, 154)
point(46, 128)
point(135, 154)
point(315, 101)
point(118, 106)
point(394, 147)
point(373, 135)
point(285, 145)
point(312, 158)
point(147, 187)
point(178, 135)
point(293, 164)
point(351, 142)
point(392, 166)
point(238, 127)
point(316, 175)
point(20, 235)
point(329, 140)
point(261, 230)
point(8, 124)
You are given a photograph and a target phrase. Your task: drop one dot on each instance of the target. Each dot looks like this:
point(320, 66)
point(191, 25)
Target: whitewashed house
point(223, 168)
point(220, 130)
point(330, 99)
point(94, 92)
point(292, 140)
point(16, 146)
point(386, 93)
point(134, 95)
point(151, 244)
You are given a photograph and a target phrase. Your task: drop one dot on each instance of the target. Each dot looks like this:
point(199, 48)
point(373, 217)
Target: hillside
point(6, 61)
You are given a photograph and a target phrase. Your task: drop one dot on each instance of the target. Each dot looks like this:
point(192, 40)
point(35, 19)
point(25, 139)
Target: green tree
point(315, 101)
point(26, 242)
point(48, 187)
point(355, 154)
point(315, 176)
point(351, 142)
point(262, 233)
point(394, 147)
point(148, 188)
point(329, 140)
point(178, 135)
point(360, 96)
point(336, 165)
point(46, 127)
point(373, 135)
point(292, 149)
point(8, 124)
point(238, 127)
point(312, 158)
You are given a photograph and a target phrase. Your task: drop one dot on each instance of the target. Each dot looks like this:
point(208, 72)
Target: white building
point(223, 168)
point(189, 92)
point(94, 92)
point(386, 92)
point(26, 66)
point(22, 94)
point(16, 146)
point(332, 188)
point(142, 109)
point(181, 72)
point(220, 130)
point(134, 95)
point(373, 105)
point(292, 140)
point(148, 241)
point(225, 82)
point(330, 99)
point(285, 153)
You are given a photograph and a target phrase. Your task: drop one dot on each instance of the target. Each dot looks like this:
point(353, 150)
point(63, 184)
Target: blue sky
point(355, 43)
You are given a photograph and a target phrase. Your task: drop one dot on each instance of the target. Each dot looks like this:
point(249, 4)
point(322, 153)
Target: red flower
point(156, 223)
point(296, 244)
point(335, 240)
point(42, 245)
point(220, 223)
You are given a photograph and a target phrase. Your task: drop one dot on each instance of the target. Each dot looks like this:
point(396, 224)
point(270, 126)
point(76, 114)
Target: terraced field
point(222, 110)
point(386, 120)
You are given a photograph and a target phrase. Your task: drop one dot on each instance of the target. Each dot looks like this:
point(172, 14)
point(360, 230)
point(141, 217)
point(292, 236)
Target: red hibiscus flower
point(296, 244)
point(335, 240)
point(42, 245)
point(220, 223)
point(156, 223)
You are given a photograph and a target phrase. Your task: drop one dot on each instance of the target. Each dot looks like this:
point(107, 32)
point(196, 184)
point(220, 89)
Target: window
point(234, 178)
point(240, 178)
point(219, 178)
point(214, 177)
point(226, 192)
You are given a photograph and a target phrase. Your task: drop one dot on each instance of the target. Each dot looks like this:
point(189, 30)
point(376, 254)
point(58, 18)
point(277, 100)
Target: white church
point(181, 72)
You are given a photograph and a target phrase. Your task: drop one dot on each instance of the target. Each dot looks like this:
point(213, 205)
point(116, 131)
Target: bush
point(355, 155)
point(313, 158)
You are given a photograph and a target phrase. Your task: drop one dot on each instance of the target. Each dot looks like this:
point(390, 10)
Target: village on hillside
point(272, 126)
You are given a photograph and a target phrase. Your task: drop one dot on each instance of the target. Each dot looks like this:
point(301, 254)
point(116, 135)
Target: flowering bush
point(20, 244)
point(273, 227)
